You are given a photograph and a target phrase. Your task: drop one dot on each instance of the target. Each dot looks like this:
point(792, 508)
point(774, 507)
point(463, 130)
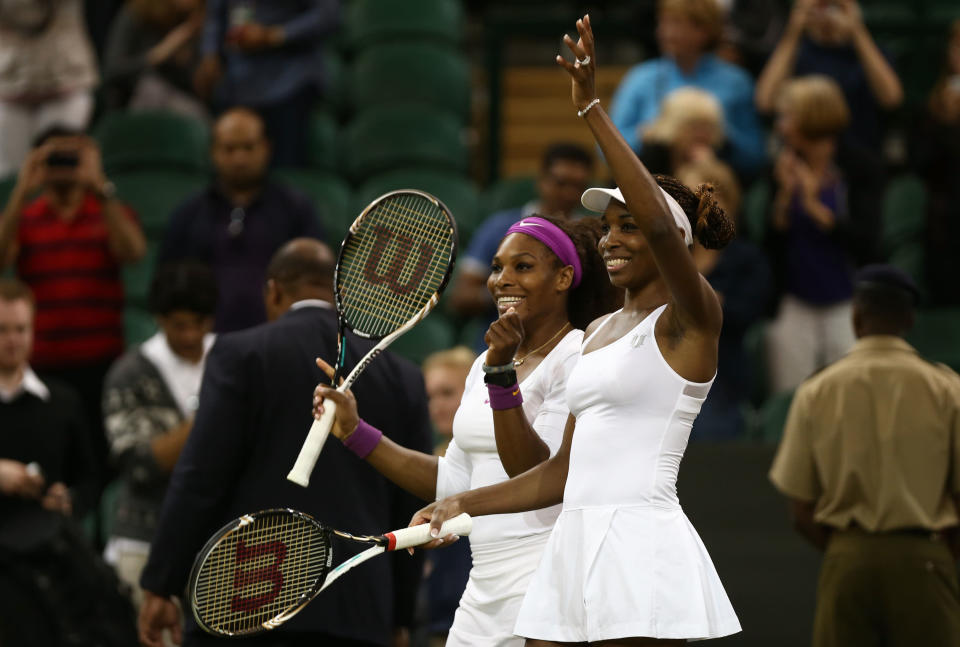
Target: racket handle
point(461, 525)
point(319, 430)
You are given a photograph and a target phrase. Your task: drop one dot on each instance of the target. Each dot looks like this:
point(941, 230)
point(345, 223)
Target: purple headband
point(554, 238)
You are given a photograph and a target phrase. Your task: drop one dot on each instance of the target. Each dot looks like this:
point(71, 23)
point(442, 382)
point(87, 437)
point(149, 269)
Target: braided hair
point(711, 225)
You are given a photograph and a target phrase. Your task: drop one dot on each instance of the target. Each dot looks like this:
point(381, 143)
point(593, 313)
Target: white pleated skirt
point(625, 571)
point(491, 601)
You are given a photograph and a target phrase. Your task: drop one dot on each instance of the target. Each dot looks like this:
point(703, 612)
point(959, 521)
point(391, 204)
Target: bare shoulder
point(593, 325)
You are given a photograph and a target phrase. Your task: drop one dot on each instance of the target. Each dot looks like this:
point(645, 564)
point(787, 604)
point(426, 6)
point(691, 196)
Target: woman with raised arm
point(548, 282)
point(623, 563)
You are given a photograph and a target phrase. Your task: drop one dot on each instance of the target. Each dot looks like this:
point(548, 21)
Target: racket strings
point(394, 263)
point(259, 571)
point(399, 288)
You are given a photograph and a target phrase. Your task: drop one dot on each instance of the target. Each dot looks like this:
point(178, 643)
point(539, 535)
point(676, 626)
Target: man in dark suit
point(255, 410)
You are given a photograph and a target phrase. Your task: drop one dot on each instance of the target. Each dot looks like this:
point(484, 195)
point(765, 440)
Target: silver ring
point(582, 61)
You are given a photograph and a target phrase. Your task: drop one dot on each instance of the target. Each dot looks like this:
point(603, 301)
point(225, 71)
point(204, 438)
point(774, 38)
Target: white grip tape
point(461, 525)
point(319, 430)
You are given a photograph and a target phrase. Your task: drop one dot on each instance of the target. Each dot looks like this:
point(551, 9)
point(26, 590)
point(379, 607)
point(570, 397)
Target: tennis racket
point(394, 263)
point(260, 570)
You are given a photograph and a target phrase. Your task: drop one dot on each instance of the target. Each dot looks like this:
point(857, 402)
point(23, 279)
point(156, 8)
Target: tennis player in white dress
point(623, 563)
point(548, 281)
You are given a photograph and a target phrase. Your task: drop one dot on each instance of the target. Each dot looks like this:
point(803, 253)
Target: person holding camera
point(67, 234)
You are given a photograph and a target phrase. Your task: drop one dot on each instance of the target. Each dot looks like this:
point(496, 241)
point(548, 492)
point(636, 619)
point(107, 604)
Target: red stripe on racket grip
point(460, 525)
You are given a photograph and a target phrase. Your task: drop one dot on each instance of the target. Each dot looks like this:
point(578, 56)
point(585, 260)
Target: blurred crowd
point(792, 137)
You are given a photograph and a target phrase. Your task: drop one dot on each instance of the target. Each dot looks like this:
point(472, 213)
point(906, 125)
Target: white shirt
point(472, 460)
point(181, 376)
point(29, 384)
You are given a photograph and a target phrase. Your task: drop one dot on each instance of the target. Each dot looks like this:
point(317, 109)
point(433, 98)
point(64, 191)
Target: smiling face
point(526, 276)
point(624, 250)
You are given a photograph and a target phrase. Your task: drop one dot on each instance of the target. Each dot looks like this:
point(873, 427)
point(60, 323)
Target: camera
point(63, 158)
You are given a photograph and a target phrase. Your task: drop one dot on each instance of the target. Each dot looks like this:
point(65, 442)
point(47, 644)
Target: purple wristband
point(504, 397)
point(363, 439)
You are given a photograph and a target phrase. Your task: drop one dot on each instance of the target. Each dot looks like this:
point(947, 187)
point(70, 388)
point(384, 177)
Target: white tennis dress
point(505, 547)
point(623, 560)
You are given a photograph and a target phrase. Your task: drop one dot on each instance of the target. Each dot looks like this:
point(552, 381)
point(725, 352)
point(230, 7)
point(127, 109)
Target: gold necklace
point(518, 362)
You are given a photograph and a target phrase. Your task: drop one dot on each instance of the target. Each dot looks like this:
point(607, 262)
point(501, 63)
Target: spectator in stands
point(829, 37)
point(444, 375)
point(688, 31)
point(936, 155)
point(689, 129)
point(54, 590)
point(152, 54)
point(45, 456)
point(564, 175)
point(47, 75)
point(446, 571)
point(268, 55)
point(741, 277)
point(237, 223)
point(68, 245)
point(150, 396)
point(248, 430)
point(870, 463)
point(810, 234)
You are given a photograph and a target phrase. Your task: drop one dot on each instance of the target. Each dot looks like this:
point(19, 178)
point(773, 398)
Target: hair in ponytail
point(711, 225)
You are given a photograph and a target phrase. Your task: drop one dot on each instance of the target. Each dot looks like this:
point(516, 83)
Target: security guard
point(870, 460)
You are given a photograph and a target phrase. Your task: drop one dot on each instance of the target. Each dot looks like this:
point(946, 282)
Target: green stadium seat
point(454, 190)
point(773, 416)
point(135, 140)
point(911, 258)
point(755, 350)
point(6, 188)
point(138, 325)
point(368, 22)
point(432, 74)
point(509, 193)
point(383, 138)
point(324, 145)
point(904, 212)
point(335, 90)
point(936, 335)
point(137, 277)
point(756, 204)
point(331, 196)
point(155, 194)
point(430, 335)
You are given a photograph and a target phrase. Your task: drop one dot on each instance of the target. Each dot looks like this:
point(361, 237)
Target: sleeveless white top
point(623, 560)
point(506, 548)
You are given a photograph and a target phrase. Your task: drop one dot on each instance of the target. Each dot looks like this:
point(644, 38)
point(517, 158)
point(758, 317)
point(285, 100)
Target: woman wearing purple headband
point(623, 564)
point(548, 282)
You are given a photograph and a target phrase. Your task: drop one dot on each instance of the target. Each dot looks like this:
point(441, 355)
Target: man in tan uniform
point(870, 460)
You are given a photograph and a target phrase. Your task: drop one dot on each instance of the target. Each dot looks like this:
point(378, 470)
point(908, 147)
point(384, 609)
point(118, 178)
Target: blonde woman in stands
point(688, 129)
point(548, 282)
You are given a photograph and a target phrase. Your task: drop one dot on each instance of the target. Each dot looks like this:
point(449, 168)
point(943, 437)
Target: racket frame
point(320, 429)
point(396, 540)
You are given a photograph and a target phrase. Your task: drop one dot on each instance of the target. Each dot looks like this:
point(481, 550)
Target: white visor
point(597, 199)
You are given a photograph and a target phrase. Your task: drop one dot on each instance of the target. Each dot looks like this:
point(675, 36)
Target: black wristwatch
point(506, 379)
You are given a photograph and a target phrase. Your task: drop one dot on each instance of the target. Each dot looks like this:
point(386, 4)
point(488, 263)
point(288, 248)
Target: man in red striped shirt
point(68, 243)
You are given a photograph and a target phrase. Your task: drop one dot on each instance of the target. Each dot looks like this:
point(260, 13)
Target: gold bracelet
point(581, 113)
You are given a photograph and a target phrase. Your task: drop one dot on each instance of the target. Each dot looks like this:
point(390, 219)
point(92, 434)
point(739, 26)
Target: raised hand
point(584, 68)
point(346, 417)
point(503, 337)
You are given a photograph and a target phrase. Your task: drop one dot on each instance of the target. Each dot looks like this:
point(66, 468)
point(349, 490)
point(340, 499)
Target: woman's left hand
point(503, 337)
point(584, 70)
